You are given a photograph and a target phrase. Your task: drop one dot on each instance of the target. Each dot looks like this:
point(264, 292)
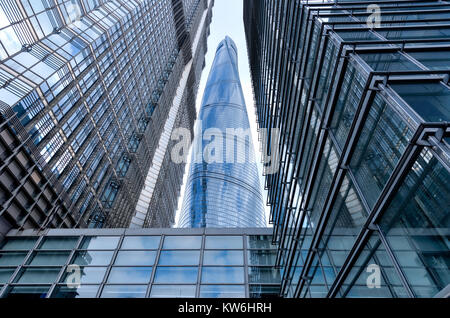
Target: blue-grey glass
point(259, 291)
point(224, 242)
point(260, 241)
point(223, 258)
point(135, 258)
point(223, 187)
point(130, 275)
point(89, 275)
point(176, 275)
point(25, 243)
point(28, 292)
point(100, 243)
point(12, 258)
point(5, 274)
point(92, 258)
point(82, 291)
point(223, 275)
point(59, 243)
point(182, 242)
point(416, 223)
point(172, 291)
point(48, 258)
point(179, 258)
point(263, 275)
point(40, 275)
point(256, 257)
point(222, 291)
point(430, 100)
point(123, 291)
point(140, 242)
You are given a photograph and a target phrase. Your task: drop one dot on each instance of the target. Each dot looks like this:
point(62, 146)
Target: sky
point(227, 19)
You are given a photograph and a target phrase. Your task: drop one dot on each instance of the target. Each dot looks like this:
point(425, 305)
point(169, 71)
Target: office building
point(89, 93)
point(360, 91)
point(138, 263)
point(223, 188)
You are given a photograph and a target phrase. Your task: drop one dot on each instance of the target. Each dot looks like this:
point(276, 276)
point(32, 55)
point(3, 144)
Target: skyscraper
point(360, 92)
point(223, 188)
point(89, 91)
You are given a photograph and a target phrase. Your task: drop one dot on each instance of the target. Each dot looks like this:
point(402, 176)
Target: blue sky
point(227, 19)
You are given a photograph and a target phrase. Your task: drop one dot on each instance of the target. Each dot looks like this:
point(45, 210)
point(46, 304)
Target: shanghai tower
point(223, 188)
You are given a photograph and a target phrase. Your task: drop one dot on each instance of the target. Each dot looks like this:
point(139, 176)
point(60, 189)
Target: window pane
point(130, 275)
point(5, 274)
point(135, 258)
point(262, 257)
point(173, 291)
point(100, 243)
point(260, 241)
point(223, 275)
point(179, 258)
point(28, 292)
point(267, 275)
point(182, 242)
point(222, 291)
point(48, 258)
point(123, 291)
point(141, 242)
point(225, 242)
point(83, 291)
point(59, 243)
point(89, 275)
point(258, 291)
point(22, 243)
point(12, 258)
point(92, 258)
point(223, 258)
point(176, 275)
point(38, 276)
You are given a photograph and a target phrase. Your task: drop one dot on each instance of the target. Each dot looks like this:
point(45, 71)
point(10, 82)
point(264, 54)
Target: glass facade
point(360, 204)
point(223, 187)
point(139, 263)
point(84, 88)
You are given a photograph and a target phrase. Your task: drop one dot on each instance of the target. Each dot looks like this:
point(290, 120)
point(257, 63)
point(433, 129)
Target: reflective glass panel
point(59, 243)
point(12, 258)
point(223, 258)
point(5, 274)
point(100, 243)
point(172, 291)
point(48, 258)
point(222, 291)
point(92, 258)
point(88, 275)
point(179, 258)
point(224, 242)
point(28, 292)
point(223, 275)
point(37, 276)
point(130, 275)
point(141, 242)
point(83, 291)
point(135, 258)
point(182, 242)
point(21, 243)
point(176, 275)
point(123, 291)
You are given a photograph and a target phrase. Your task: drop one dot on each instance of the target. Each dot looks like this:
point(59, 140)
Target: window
point(176, 275)
point(182, 242)
point(222, 291)
point(123, 291)
point(224, 242)
point(223, 275)
point(130, 275)
point(223, 258)
point(140, 242)
point(100, 243)
point(179, 258)
point(173, 291)
point(135, 258)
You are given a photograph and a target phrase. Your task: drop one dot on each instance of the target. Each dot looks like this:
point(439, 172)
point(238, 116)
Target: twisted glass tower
point(223, 187)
